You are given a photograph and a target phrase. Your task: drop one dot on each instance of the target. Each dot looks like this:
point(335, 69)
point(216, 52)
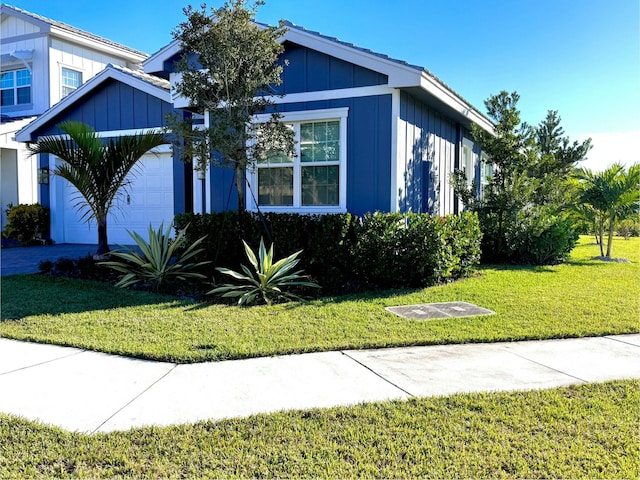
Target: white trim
point(110, 72)
point(61, 67)
point(113, 133)
point(303, 115)
point(103, 47)
point(333, 94)
point(398, 142)
point(155, 63)
point(298, 117)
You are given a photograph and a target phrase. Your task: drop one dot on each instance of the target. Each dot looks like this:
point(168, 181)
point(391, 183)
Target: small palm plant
point(159, 262)
point(268, 281)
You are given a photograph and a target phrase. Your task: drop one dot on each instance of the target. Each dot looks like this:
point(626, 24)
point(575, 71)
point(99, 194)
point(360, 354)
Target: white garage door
point(147, 200)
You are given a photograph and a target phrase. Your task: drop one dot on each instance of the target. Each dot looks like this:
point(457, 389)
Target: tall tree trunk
point(103, 244)
point(610, 239)
point(240, 187)
point(601, 234)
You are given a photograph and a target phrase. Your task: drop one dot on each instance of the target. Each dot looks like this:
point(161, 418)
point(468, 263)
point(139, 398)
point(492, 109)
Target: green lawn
point(580, 298)
point(585, 431)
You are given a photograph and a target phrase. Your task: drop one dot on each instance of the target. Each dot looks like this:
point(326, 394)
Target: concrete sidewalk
point(93, 392)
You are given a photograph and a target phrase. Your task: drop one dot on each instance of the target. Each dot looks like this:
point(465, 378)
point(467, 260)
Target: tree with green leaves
point(527, 193)
point(229, 69)
point(614, 193)
point(98, 170)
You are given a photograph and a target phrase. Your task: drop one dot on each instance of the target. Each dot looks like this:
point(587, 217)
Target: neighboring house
point(42, 61)
point(373, 134)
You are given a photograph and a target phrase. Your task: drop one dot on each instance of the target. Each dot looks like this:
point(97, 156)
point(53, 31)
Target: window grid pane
point(6, 81)
point(320, 142)
point(24, 95)
point(23, 78)
point(6, 97)
point(320, 185)
point(275, 186)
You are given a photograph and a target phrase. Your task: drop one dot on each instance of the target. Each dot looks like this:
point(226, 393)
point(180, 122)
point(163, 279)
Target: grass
point(585, 431)
point(580, 298)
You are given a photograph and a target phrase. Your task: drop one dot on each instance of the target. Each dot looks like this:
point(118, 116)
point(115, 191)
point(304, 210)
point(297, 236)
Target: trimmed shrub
point(28, 224)
point(343, 253)
point(539, 238)
point(414, 250)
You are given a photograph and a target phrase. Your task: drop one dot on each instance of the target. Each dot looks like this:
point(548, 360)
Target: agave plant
point(267, 281)
point(161, 260)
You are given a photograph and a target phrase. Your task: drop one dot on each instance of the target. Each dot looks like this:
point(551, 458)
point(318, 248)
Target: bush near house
point(28, 224)
point(344, 253)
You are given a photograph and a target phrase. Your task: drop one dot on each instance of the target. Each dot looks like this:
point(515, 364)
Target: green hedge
point(344, 253)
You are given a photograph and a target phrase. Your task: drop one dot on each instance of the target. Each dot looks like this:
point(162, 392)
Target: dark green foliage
point(540, 238)
point(28, 224)
point(237, 63)
point(412, 250)
point(343, 253)
point(526, 200)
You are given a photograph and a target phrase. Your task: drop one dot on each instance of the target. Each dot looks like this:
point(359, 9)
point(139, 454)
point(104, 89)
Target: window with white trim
point(313, 179)
point(486, 173)
point(468, 164)
point(15, 87)
point(70, 80)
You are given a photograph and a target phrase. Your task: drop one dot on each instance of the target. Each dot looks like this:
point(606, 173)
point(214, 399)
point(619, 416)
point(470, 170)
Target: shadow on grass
point(30, 295)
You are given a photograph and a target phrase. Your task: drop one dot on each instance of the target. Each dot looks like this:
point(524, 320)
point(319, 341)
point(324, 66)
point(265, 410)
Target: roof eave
point(110, 72)
point(125, 53)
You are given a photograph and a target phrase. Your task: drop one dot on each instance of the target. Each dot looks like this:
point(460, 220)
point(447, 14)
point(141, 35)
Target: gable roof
point(150, 84)
point(70, 32)
point(401, 74)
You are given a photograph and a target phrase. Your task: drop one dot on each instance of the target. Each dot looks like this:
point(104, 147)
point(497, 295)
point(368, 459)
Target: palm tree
point(97, 169)
point(614, 193)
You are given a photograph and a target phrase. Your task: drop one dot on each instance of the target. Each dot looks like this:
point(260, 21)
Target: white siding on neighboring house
point(13, 27)
point(80, 59)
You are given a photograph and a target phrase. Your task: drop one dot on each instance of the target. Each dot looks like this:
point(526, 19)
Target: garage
point(148, 199)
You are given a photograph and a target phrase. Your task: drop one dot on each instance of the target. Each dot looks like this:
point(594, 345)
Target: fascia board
point(447, 97)
point(24, 134)
point(399, 75)
point(97, 45)
point(155, 63)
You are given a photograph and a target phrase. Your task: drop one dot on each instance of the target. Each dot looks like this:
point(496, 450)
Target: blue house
point(372, 134)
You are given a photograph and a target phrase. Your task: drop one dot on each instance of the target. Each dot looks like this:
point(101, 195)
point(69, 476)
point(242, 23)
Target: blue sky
point(580, 57)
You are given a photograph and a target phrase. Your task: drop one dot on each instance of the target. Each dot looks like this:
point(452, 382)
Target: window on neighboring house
point(15, 87)
point(313, 179)
point(71, 80)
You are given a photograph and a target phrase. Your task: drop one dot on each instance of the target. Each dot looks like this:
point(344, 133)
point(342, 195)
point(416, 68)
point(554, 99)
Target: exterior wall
point(368, 155)
point(311, 71)
point(429, 146)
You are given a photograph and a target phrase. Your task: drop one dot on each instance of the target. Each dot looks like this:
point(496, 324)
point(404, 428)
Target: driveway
point(23, 260)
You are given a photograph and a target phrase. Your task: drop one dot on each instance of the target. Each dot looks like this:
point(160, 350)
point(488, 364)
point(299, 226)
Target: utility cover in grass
point(428, 311)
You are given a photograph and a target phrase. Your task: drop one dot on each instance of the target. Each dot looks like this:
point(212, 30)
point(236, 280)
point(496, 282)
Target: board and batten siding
point(427, 157)
point(312, 71)
point(368, 154)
